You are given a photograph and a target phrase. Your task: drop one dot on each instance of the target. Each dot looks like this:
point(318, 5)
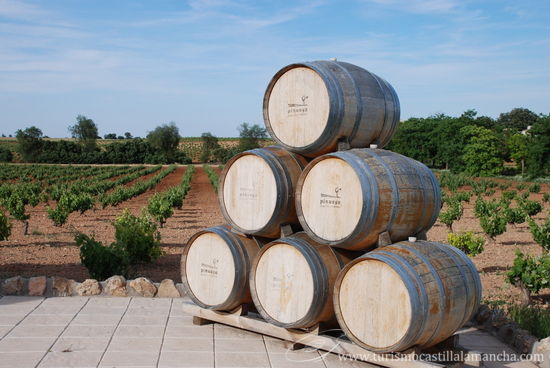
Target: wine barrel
point(215, 266)
point(292, 279)
point(347, 199)
point(406, 294)
point(257, 190)
point(309, 107)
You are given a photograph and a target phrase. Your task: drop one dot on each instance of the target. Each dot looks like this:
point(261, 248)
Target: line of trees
point(160, 146)
point(249, 138)
point(478, 145)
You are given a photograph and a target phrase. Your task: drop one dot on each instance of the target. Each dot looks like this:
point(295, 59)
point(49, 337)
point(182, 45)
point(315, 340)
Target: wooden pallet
point(313, 338)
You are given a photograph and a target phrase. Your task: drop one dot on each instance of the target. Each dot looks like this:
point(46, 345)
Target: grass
point(534, 319)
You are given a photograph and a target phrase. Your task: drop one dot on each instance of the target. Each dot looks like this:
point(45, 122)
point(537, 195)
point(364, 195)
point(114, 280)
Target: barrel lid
point(298, 106)
point(284, 283)
point(249, 192)
point(331, 199)
point(210, 268)
point(374, 303)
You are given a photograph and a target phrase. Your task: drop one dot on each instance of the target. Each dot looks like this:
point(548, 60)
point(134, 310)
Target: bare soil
point(50, 250)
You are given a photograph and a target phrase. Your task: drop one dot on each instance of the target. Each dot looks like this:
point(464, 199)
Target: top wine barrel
point(257, 190)
point(351, 199)
point(309, 107)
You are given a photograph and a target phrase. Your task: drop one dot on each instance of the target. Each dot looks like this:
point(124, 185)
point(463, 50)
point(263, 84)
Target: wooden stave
point(245, 250)
point(280, 161)
point(325, 263)
point(371, 223)
point(421, 332)
point(348, 128)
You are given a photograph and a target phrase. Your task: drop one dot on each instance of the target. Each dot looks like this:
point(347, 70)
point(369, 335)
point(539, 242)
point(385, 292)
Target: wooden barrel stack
point(317, 227)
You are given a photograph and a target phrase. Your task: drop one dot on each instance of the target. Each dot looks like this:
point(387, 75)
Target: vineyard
point(47, 205)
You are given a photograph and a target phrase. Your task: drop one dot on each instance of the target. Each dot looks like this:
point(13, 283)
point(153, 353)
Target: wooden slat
point(326, 343)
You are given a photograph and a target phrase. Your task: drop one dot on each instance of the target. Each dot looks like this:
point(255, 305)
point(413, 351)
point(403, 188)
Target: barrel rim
point(239, 282)
point(282, 190)
point(319, 274)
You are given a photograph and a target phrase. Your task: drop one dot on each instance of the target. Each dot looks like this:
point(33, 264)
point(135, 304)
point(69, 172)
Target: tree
point(30, 142)
point(110, 136)
point(128, 135)
point(482, 154)
point(518, 119)
point(517, 144)
point(85, 131)
point(165, 138)
point(210, 144)
point(250, 136)
point(538, 148)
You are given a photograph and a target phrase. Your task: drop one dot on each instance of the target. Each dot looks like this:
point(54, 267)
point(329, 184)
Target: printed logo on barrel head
point(210, 270)
point(329, 200)
point(250, 193)
point(295, 109)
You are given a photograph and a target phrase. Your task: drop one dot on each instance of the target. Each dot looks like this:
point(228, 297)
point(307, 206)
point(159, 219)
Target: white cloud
point(15, 9)
point(419, 6)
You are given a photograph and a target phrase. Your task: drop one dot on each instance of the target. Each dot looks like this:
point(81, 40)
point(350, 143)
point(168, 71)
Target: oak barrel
point(257, 190)
point(406, 294)
point(215, 266)
point(292, 280)
point(347, 199)
point(309, 107)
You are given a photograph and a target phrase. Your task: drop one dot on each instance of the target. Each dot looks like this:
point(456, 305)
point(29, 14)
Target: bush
point(453, 181)
point(530, 274)
point(212, 176)
point(530, 208)
point(534, 188)
point(160, 208)
point(493, 224)
point(512, 194)
point(5, 155)
point(521, 186)
point(463, 196)
point(546, 197)
point(541, 234)
point(452, 213)
point(533, 319)
point(102, 262)
point(5, 227)
point(467, 242)
point(514, 215)
point(138, 236)
point(504, 186)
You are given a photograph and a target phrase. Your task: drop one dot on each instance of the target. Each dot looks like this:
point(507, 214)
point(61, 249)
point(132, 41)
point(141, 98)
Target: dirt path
point(200, 210)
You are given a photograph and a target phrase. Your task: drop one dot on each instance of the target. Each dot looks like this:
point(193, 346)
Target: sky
point(131, 65)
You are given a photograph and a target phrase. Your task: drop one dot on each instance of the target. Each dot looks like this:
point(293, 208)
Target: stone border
point(113, 286)
point(496, 322)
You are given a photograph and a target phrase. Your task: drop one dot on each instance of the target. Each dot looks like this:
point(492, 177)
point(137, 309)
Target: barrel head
point(210, 269)
point(298, 107)
point(374, 304)
point(284, 283)
point(249, 193)
point(331, 199)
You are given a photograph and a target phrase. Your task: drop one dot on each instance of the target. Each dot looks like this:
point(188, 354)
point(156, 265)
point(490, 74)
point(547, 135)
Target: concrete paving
point(147, 332)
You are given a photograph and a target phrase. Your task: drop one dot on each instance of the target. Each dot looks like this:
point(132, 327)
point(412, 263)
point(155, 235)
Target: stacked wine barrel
point(322, 229)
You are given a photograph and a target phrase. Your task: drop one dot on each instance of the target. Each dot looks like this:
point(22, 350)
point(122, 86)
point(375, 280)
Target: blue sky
point(131, 65)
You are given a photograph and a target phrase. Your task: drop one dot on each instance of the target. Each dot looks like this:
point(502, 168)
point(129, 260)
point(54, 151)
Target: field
point(51, 250)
